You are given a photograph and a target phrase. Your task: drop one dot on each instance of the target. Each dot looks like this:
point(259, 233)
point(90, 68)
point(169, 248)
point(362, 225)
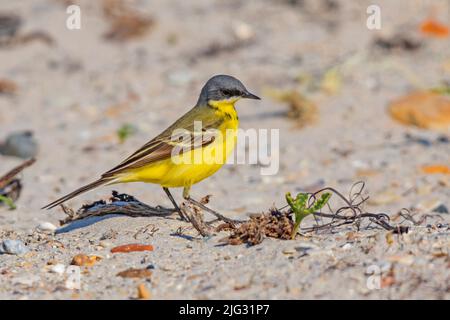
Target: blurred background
point(351, 102)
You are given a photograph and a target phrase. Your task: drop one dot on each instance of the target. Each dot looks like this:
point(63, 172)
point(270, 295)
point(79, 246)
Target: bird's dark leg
point(177, 208)
point(187, 197)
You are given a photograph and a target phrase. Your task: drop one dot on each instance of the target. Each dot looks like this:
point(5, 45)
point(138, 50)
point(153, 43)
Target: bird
point(190, 150)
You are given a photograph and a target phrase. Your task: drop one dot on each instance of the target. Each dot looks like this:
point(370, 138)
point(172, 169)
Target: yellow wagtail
point(157, 162)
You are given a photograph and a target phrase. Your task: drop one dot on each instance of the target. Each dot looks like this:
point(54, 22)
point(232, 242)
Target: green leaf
point(301, 200)
point(299, 204)
point(444, 90)
point(125, 131)
point(320, 203)
point(8, 201)
point(290, 201)
point(300, 209)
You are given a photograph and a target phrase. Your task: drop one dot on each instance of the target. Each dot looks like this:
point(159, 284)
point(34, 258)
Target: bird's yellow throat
point(225, 108)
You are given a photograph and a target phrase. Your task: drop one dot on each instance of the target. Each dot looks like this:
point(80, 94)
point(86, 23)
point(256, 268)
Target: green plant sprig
point(125, 131)
point(8, 201)
point(300, 207)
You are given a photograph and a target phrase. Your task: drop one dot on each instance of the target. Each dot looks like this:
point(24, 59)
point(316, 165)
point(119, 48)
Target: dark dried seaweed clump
point(274, 224)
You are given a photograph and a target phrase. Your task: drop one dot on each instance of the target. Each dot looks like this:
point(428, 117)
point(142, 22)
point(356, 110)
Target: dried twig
point(119, 204)
point(352, 212)
point(10, 186)
point(9, 176)
point(195, 216)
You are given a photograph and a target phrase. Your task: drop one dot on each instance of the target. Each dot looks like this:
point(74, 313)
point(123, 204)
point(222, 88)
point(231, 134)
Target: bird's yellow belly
point(189, 167)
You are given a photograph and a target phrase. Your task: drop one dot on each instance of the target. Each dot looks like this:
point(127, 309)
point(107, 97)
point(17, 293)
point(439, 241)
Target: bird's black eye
point(227, 92)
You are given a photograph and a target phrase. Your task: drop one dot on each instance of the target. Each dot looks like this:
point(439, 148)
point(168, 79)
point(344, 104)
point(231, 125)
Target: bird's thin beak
point(249, 95)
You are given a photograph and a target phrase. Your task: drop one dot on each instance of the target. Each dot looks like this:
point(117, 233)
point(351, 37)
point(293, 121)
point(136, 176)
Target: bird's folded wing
point(162, 147)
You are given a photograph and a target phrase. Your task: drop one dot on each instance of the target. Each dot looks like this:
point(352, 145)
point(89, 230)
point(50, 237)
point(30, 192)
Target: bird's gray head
point(223, 87)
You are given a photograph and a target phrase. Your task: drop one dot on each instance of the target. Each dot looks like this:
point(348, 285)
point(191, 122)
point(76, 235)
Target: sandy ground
point(75, 94)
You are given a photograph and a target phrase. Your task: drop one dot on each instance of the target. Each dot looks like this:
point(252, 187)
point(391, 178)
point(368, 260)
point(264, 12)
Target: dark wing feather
point(161, 147)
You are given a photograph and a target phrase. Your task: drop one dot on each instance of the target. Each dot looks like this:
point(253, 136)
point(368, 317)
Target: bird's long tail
point(90, 186)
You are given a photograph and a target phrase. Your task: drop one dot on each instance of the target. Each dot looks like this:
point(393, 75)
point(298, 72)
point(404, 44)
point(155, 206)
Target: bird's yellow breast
point(193, 166)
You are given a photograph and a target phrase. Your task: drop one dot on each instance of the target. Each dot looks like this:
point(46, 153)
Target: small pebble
point(13, 247)
point(441, 209)
point(289, 251)
point(58, 268)
point(47, 227)
point(143, 292)
point(347, 246)
point(84, 260)
point(105, 244)
point(20, 144)
point(71, 285)
point(243, 31)
point(443, 139)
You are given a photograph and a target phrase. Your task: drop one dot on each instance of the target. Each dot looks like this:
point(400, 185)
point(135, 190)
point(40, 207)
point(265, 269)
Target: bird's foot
point(174, 210)
point(182, 215)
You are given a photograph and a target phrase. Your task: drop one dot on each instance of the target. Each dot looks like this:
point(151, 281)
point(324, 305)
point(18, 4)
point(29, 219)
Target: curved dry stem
point(352, 204)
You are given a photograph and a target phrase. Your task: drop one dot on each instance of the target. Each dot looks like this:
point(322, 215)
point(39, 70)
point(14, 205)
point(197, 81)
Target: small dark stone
point(9, 24)
point(16, 247)
point(419, 140)
point(443, 139)
point(398, 42)
point(441, 209)
point(20, 144)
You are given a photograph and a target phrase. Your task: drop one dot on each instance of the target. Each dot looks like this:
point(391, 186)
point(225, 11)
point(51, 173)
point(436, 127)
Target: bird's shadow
point(78, 224)
point(184, 236)
point(116, 208)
